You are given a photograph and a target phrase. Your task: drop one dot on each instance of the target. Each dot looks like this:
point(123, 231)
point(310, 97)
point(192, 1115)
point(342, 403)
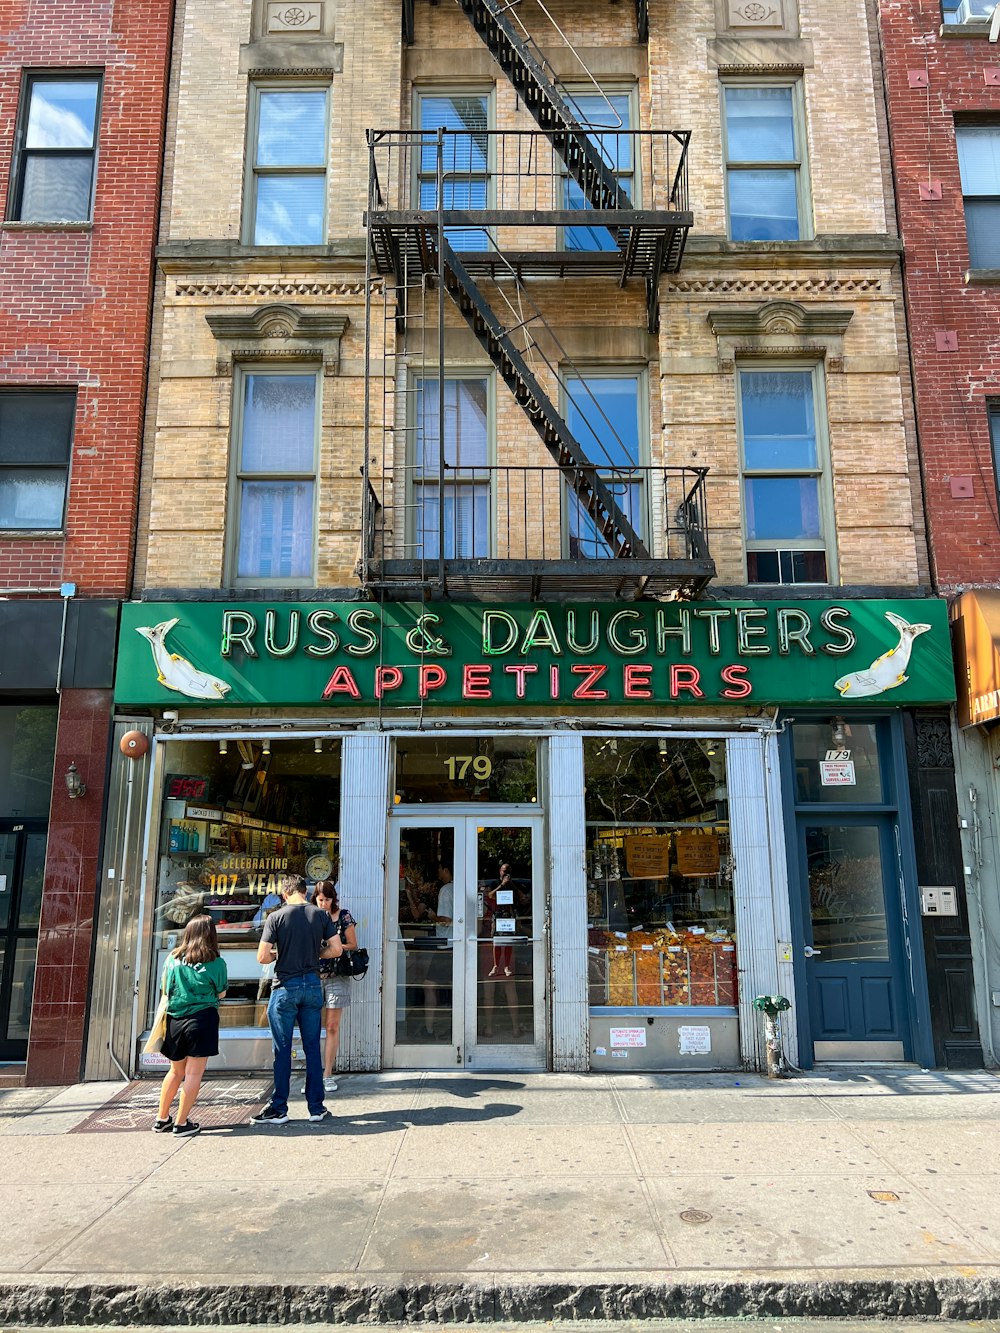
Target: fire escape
point(468, 227)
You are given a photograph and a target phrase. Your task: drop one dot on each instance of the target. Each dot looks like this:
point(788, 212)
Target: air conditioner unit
point(975, 11)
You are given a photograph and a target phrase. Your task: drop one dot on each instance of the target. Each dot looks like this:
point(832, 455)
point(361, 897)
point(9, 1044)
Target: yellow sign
point(647, 855)
point(697, 854)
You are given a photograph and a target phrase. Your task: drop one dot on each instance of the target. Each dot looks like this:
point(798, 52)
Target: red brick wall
point(952, 387)
point(74, 306)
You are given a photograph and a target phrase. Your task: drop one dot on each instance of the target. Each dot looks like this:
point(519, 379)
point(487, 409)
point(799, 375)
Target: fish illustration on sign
point(176, 672)
point(887, 671)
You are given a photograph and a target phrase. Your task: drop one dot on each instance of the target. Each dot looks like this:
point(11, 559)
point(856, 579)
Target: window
point(288, 175)
point(609, 118)
point(465, 163)
point(764, 166)
point(54, 180)
point(661, 923)
point(457, 505)
point(784, 487)
point(979, 165)
point(36, 432)
point(603, 412)
point(994, 420)
point(275, 476)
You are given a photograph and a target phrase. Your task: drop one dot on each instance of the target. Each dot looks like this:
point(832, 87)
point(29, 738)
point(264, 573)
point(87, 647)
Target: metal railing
point(528, 514)
point(517, 171)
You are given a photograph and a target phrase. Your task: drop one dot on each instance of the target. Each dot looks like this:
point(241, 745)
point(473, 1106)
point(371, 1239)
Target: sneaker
point(269, 1116)
point(329, 1085)
point(187, 1130)
point(320, 1117)
point(163, 1126)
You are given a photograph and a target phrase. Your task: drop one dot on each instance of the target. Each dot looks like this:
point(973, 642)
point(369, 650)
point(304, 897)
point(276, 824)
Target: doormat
point(222, 1103)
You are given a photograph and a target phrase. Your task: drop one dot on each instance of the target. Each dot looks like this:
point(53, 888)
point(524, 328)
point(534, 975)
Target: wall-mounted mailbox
point(938, 900)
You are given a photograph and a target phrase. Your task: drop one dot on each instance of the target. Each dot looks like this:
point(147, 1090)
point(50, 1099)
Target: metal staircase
point(535, 83)
point(580, 472)
point(416, 247)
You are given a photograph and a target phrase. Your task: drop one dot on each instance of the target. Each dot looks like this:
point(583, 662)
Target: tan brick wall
point(692, 403)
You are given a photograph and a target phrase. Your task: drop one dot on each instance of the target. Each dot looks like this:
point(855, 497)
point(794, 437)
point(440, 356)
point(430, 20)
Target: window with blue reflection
point(603, 414)
point(462, 156)
point(609, 131)
point(289, 167)
point(763, 163)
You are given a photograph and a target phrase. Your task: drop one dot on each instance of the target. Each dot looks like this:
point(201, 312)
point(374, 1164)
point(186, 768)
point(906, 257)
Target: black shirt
point(298, 932)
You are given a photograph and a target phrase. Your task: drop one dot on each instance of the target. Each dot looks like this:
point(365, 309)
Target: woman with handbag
point(194, 981)
point(336, 983)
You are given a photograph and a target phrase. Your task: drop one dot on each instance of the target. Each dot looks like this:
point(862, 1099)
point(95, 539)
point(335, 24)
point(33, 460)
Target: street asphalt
point(476, 1199)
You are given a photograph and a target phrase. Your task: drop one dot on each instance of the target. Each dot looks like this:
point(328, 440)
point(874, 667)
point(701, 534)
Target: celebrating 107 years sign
point(364, 653)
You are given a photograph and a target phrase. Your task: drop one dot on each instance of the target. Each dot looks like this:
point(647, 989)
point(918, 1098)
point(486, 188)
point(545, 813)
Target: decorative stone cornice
point(278, 332)
point(780, 329)
point(779, 317)
point(278, 288)
point(743, 285)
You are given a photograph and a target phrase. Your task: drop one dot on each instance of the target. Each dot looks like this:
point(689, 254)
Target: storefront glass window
point(27, 752)
point(470, 768)
point(661, 927)
point(231, 824)
point(837, 761)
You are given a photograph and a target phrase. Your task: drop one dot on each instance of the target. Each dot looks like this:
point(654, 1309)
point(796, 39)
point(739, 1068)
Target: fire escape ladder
point(580, 472)
point(538, 89)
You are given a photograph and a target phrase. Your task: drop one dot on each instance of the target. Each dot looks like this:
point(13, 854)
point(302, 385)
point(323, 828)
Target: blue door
point(855, 957)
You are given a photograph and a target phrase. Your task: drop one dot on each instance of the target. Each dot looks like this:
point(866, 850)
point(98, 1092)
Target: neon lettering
point(637, 681)
point(342, 682)
point(591, 674)
point(736, 676)
point(519, 672)
point(685, 678)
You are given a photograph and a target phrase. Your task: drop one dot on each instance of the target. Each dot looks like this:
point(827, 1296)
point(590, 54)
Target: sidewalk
point(455, 1197)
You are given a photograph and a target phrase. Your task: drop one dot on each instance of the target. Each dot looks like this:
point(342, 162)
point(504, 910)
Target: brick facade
point(74, 299)
point(849, 261)
point(75, 304)
point(932, 77)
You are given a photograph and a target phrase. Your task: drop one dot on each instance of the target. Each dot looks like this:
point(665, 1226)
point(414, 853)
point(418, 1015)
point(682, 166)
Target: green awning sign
point(357, 654)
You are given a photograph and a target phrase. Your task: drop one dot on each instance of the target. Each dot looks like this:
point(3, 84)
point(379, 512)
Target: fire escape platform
point(491, 580)
point(649, 243)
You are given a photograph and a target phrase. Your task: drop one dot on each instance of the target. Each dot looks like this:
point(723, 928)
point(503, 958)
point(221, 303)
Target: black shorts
point(195, 1034)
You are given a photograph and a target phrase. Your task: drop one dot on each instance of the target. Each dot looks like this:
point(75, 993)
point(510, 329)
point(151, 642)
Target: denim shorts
point(336, 992)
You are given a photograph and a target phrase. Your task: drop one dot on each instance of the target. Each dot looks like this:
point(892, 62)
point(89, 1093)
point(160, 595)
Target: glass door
point(22, 871)
point(854, 953)
point(504, 950)
point(465, 956)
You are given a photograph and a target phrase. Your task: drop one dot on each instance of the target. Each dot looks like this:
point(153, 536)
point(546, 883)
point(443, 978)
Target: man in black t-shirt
point(295, 938)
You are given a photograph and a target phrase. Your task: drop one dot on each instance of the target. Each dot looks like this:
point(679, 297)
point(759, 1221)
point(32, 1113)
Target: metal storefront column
point(567, 888)
point(364, 798)
point(760, 887)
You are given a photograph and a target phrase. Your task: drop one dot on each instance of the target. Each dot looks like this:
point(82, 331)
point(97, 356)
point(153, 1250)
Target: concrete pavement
point(455, 1197)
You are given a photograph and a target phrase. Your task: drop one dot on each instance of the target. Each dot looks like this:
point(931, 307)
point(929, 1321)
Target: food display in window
point(661, 926)
point(234, 820)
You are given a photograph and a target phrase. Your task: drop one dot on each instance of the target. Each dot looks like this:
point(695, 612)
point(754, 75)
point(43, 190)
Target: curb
point(135, 1305)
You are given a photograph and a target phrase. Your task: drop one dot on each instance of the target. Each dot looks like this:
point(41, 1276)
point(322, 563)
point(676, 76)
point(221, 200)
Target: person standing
point(194, 981)
point(336, 989)
point(295, 938)
point(439, 975)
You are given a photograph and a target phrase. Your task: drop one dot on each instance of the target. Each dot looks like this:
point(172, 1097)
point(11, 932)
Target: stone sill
point(33, 534)
point(47, 226)
point(821, 252)
point(212, 255)
point(979, 31)
point(982, 277)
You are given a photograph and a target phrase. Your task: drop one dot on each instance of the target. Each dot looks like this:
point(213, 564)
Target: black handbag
point(353, 964)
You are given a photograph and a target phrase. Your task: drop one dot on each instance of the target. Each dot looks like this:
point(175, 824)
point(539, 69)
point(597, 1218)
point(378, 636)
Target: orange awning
point(975, 627)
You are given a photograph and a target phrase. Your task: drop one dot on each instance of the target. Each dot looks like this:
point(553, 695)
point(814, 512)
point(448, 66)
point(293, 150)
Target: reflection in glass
point(27, 753)
point(426, 909)
point(819, 778)
point(8, 855)
point(846, 893)
point(22, 989)
point(481, 768)
point(660, 915)
point(32, 878)
point(504, 933)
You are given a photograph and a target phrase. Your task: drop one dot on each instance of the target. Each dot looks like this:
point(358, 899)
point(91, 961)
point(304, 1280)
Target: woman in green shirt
point(194, 981)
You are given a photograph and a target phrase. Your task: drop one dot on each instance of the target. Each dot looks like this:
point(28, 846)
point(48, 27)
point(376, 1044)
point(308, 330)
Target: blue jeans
point(298, 1000)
